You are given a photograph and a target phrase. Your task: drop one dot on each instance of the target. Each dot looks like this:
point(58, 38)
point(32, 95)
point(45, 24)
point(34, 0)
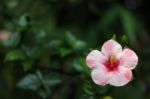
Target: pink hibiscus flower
point(112, 65)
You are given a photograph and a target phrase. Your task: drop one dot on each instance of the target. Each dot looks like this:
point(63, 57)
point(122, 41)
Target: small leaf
point(80, 65)
point(77, 65)
point(51, 81)
point(114, 37)
point(15, 55)
point(38, 32)
point(79, 45)
point(23, 20)
point(27, 65)
point(124, 40)
point(54, 44)
point(65, 51)
point(44, 94)
point(71, 40)
point(30, 82)
point(88, 89)
point(32, 52)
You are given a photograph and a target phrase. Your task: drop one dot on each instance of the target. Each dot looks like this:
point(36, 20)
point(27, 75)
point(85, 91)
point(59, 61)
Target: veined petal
point(111, 47)
point(100, 76)
point(95, 58)
point(120, 77)
point(128, 59)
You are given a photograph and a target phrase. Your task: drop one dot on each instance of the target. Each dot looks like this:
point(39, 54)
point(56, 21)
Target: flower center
point(112, 63)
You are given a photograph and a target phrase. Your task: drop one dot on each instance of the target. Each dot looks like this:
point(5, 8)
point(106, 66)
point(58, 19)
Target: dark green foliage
point(44, 57)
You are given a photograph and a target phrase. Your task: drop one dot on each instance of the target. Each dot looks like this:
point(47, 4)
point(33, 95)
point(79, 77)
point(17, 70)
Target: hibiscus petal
point(129, 59)
point(120, 77)
point(100, 76)
point(95, 58)
point(111, 47)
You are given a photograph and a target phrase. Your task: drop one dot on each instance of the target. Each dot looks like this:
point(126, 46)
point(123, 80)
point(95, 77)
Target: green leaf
point(27, 65)
point(114, 37)
point(29, 82)
point(54, 44)
point(15, 55)
point(23, 20)
point(51, 80)
point(80, 65)
point(74, 43)
point(71, 40)
point(65, 51)
point(44, 94)
point(39, 33)
point(124, 40)
point(80, 45)
point(77, 65)
point(32, 52)
point(48, 80)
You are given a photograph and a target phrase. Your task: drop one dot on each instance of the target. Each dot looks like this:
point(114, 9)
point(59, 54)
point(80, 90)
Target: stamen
point(112, 60)
point(112, 63)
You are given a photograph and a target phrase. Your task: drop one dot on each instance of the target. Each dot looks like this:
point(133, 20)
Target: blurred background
point(44, 43)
